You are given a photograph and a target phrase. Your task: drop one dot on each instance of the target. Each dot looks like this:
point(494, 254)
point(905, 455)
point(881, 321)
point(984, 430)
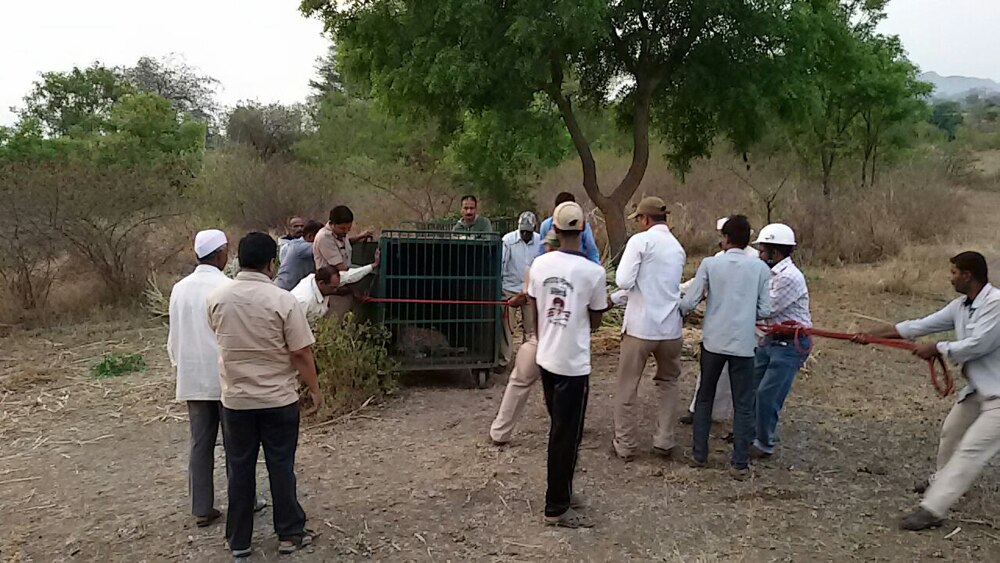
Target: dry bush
point(856, 226)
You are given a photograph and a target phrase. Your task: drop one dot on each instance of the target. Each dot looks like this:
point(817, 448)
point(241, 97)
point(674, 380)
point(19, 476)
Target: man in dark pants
point(569, 294)
point(736, 288)
point(264, 347)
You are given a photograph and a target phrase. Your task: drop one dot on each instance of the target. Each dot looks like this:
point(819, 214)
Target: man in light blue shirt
point(520, 248)
point(587, 243)
point(737, 289)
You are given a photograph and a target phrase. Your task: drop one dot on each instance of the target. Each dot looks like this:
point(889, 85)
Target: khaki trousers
point(527, 325)
point(634, 354)
point(970, 437)
point(522, 377)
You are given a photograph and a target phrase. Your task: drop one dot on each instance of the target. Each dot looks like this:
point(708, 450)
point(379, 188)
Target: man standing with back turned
point(970, 435)
point(570, 296)
point(193, 351)
point(735, 287)
point(264, 349)
point(650, 272)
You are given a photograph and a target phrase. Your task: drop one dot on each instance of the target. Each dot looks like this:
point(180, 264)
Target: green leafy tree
point(188, 91)
point(75, 103)
point(270, 129)
point(948, 117)
point(650, 61)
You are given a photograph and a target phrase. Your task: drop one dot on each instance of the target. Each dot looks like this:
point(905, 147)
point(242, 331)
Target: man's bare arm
point(305, 363)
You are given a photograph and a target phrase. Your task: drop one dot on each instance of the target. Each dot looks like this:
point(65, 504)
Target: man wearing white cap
point(192, 347)
point(722, 410)
point(519, 249)
point(569, 293)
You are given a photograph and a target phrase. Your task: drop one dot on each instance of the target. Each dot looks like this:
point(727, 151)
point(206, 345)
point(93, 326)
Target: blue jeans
point(741, 380)
point(775, 366)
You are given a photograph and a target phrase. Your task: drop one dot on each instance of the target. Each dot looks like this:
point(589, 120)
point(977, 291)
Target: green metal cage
point(501, 225)
point(431, 278)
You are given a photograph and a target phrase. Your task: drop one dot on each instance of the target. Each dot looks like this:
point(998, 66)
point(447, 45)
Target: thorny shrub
point(353, 364)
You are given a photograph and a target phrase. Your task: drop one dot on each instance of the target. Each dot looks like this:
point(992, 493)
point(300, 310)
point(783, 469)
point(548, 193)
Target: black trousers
point(566, 401)
point(204, 417)
point(741, 380)
point(277, 430)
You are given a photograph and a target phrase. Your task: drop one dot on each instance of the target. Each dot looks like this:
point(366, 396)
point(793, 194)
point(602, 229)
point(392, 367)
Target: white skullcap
point(207, 242)
point(721, 223)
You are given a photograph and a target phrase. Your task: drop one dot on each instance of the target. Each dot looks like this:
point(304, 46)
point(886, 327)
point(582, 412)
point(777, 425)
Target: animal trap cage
point(438, 293)
point(501, 225)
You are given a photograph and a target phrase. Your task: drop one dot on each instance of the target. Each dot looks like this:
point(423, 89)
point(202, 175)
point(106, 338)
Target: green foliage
point(270, 129)
point(75, 103)
point(191, 94)
point(117, 365)
point(352, 360)
point(947, 116)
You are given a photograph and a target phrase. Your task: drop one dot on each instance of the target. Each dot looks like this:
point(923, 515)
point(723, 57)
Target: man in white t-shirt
point(569, 293)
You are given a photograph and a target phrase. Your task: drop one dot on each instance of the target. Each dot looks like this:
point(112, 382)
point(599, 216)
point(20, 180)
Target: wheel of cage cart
point(481, 378)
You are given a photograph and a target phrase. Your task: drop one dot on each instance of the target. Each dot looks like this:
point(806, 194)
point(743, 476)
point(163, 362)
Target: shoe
point(686, 418)
point(757, 453)
point(922, 519)
point(739, 474)
point(569, 519)
point(242, 554)
point(729, 438)
point(577, 502)
point(625, 458)
point(291, 545)
point(259, 504)
point(667, 454)
point(208, 519)
point(921, 487)
point(692, 462)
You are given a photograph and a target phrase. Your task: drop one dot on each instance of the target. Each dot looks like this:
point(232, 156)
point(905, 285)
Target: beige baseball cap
point(651, 205)
point(568, 217)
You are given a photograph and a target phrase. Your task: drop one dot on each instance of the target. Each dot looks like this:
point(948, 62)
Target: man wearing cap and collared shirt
point(569, 294)
point(520, 248)
point(650, 275)
point(194, 353)
point(332, 247)
point(722, 409)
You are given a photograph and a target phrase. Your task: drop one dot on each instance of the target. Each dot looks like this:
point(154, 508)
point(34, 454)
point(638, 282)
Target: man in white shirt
point(722, 408)
point(735, 287)
point(650, 273)
point(570, 295)
point(193, 351)
point(970, 435)
point(519, 249)
point(314, 291)
point(779, 358)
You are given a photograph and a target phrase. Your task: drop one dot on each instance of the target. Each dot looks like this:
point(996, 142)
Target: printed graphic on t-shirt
point(558, 291)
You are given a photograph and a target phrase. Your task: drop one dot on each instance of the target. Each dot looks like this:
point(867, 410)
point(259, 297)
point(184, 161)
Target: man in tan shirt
point(332, 247)
point(264, 350)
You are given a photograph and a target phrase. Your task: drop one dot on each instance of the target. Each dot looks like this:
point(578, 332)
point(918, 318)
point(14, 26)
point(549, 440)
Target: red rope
point(430, 301)
point(943, 384)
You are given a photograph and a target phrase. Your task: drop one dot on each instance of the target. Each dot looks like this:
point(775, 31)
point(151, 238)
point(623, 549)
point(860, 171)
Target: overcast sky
point(265, 50)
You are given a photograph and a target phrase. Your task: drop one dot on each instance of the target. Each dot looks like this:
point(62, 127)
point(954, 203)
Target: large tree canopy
point(682, 69)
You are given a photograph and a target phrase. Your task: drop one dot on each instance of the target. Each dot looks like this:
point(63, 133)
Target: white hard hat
point(776, 233)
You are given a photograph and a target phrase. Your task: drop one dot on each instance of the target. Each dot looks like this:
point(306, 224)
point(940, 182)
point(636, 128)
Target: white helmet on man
point(776, 233)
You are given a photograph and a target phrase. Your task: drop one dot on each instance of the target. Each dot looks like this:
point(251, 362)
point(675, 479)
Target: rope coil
point(942, 381)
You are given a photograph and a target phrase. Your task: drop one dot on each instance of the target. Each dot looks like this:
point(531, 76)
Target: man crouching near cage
point(569, 294)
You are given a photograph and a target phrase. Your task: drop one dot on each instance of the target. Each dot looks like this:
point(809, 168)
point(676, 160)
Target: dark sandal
point(287, 547)
point(208, 519)
point(570, 519)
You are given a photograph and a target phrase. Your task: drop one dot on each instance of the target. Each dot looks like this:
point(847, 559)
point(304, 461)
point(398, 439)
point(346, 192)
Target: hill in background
point(958, 87)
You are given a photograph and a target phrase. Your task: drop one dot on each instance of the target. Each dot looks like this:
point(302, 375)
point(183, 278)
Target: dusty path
point(95, 470)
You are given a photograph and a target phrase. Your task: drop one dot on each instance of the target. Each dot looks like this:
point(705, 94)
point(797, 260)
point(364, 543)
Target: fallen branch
point(84, 442)
point(343, 417)
point(524, 545)
point(20, 480)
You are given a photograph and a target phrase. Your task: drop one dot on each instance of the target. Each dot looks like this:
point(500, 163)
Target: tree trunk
point(829, 155)
point(874, 160)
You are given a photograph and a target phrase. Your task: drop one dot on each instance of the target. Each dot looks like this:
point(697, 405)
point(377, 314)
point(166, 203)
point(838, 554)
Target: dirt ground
point(95, 469)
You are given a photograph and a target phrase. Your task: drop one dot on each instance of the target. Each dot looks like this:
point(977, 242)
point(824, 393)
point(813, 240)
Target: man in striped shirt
point(779, 358)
